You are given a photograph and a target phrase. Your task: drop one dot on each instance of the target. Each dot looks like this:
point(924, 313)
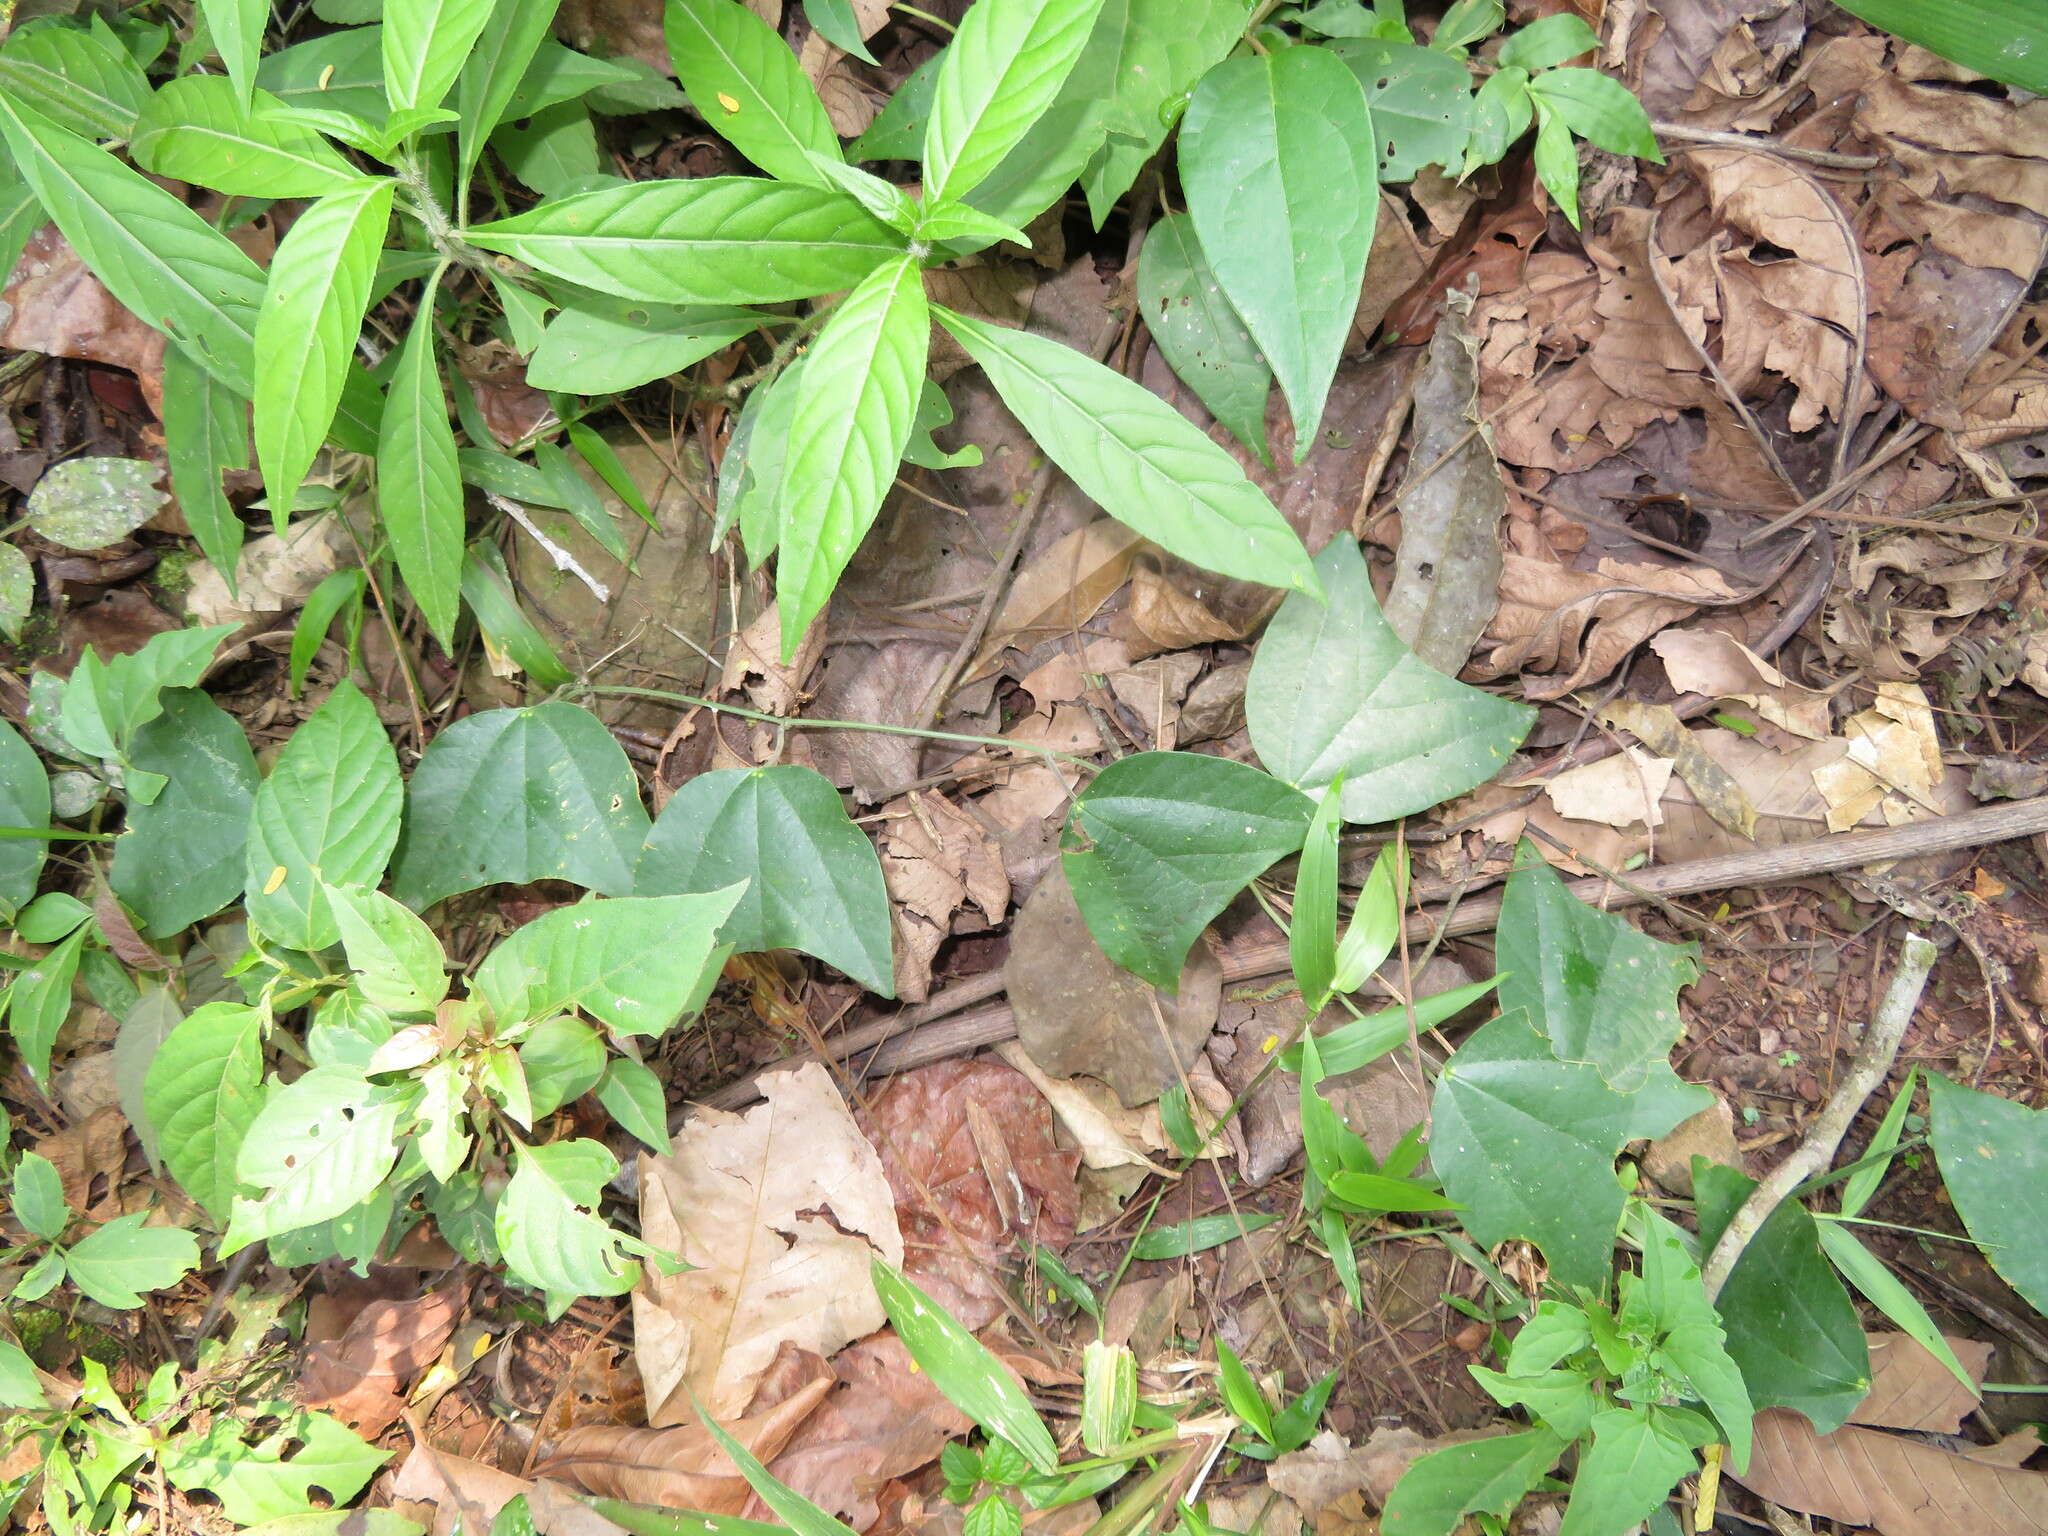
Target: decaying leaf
point(1106, 1134)
point(448, 1493)
point(1705, 661)
point(1561, 628)
point(1621, 790)
point(1910, 1389)
point(1712, 786)
point(1060, 590)
point(782, 1210)
point(56, 307)
point(359, 1376)
point(1893, 761)
point(274, 574)
point(945, 875)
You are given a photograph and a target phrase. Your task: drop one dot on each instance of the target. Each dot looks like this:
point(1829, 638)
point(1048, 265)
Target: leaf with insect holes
point(425, 44)
point(1003, 68)
point(196, 129)
point(1276, 156)
point(320, 282)
point(1421, 103)
point(419, 485)
point(202, 1090)
point(744, 81)
point(713, 240)
point(317, 1149)
point(850, 424)
point(547, 1226)
point(1203, 339)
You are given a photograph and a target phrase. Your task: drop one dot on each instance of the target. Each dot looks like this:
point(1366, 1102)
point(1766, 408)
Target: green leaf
point(342, 71)
point(1333, 690)
point(1276, 162)
point(17, 589)
point(1527, 1143)
point(1557, 162)
point(1364, 1040)
point(637, 963)
point(339, 595)
point(798, 1513)
point(744, 81)
point(419, 487)
point(312, 314)
point(1500, 115)
point(105, 703)
point(1198, 1235)
point(710, 240)
point(546, 1226)
point(49, 917)
point(1562, 1401)
point(1161, 842)
point(750, 478)
point(83, 81)
point(154, 254)
point(1548, 41)
point(1599, 109)
point(1791, 1327)
point(236, 27)
point(181, 858)
point(636, 1099)
point(559, 74)
point(114, 1264)
point(1861, 1186)
point(197, 129)
point(1241, 1394)
point(1466, 22)
point(520, 794)
point(398, 962)
point(1489, 1476)
point(563, 1059)
point(897, 133)
point(20, 1387)
point(835, 21)
point(599, 345)
point(1004, 67)
point(1201, 337)
point(812, 879)
point(1635, 1462)
point(487, 590)
point(37, 1197)
point(1885, 1291)
point(961, 1367)
point(1138, 458)
point(201, 1093)
point(889, 202)
point(554, 151)
point(1693, 1339)
point(273, 1477)
point(91, 503)
point(1604, 993)
point(44, 1276)
point(493, 72)
point(1421, 103)
point(319, 1148)
point(2005, 39)
point(24, 802)
point(206, 430)
point(849, 426)
point(425, 45)
point(1989, 1149)
point(1312, 926)
point(39, 1001)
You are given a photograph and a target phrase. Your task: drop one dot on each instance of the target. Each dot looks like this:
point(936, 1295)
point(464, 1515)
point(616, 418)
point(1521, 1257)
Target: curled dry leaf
point(1893, 761)
point(781, 1211)
point(1705, 661)
point(56, 307)
point(942, 868)
point(1622, 790)
point(1105, 1133)
point(1713, 787)
point(1164, 615)
point(1561, 628)
point(274, 574)
point(1059, 590)
point(360, 1376)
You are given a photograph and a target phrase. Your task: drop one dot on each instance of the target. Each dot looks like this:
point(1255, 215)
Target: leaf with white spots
point(17, 590)
point(91, 503)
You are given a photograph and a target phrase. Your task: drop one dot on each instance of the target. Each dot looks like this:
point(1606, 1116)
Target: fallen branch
point(1873, 1060)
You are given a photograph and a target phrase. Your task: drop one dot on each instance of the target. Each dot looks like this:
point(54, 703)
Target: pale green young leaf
point(811, 878)
point(104, 703)
point(1109, 1395)
point(492, 73)
point(39, 1001)
point(635, 1098)
point(1636, 1460)
point(1548, 41)
point(236, 27)
point(43, 1276)
point(269, 1474)
point(154, 254)
point(960, 224)
point(1693, 1339)
point(744, 81)
point(526, 314)
point(206, 431)
point(549, 1232)
point(1138, 458)
point(317, 1149)
point(961, 1366)
point(398, 962)
point(441, 1128)
point(1500, 115)
point(181, 858)
point(599, 345)
point(1466, 22)
point(419, 486)
point(37, 1197)
point(24, 802)
point(20, 1386)
point(1599, 109)
point(1276, 158)
point(117, 1263)
point(884, 199)
point(711, 240)
point(1489, 1476)
point(425, 44)
point(197, 129)
point(850, 424)
point(1312, 926)
point(1003, 68)
point(1203, 339)
point(306, 332)
point(1557, 160)
point(201, 1093)
point(84, 81)
point(1375, 927)
point(1886, 1292)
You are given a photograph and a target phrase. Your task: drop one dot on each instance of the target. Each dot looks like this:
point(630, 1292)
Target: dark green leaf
point(835, 21)
point(897, 133)
point(1489, 1476)
point(745, 82)
point(1198, 1235)
point(24, 802)
point(1421, 104)
point(1201, 337)
point(487, 590)
point(181, 858)
point(1989, 1150)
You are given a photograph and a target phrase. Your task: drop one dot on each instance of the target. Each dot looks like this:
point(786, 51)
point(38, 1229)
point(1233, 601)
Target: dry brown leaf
point(1709, 1134)
point(1163, 616)
point(1899, 1486)
point(1713, 788)
point(450, 1493)
point(1153, 690)
point(1106, 1134)
point(274, 573)
point(1893, 753)
point(87, 1153)
point(56, 307)
point(754, 668)
point(681, 1467)
point(1625, 789)
point(360, 1376)
point(781, 1209)
point(1705, 661)
point(1561, 629)
point(1060, 590)
point(977, 1176)
point(1063, 677)
point(938, 863)
point(1910, 1389)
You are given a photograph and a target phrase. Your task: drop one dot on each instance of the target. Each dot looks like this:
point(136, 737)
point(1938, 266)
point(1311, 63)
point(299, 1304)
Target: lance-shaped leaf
point(206, 431)
point(1003, 69)
point(492, 73)
point(854, 406)
point(85, 81)
point(1276, 156)
point(306, 331)
point(424, 46)
point(1140, 459)
point(714, 240)
point(419, 481)
point(196, 129)
point(203, 1089)
point(745, 82)
point(159, 258)
point(236, 27)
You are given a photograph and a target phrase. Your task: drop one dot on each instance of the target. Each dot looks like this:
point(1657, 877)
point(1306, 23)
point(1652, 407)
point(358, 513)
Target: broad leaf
point(320, 1147)
point(835, 21)
point(1528, 1142)
point(1548, 41)
point(343, 71)
point(106, 702)
point(744, 81)
point(598, 345)
point(272, 1478)
point(1138, 458)
point(1276, 158)
point(93, 502)
point(425, 44)
point(181, 857)
point(1201, 337)
point(516, 795)
point(145, 1025)
point(548, 1230)
point(554, 152)
point(637, 963)
point(1637, 1458)
point(851, 422)
point(153, 253)
point(1792, 1328)
point(327, 815)
point(202, 1091)
point(196, 129)
point(1333, 690)
point(24, 802)
point(2005, 39)
point(712, 240)
point(1421, 103)
point(494, 71)
point(1489, 1476)
point(635, 1098)
point(419, 486)
point(1604, 993)
point(812, 879)
point(117, 1263)
point(83, 81)
point(36, 1196)
point(562, 1058)
point(398, 962)
point(1599, 109)
point(1991, 1150)
point(39, 1001)
point(306, 332)
point(206, 431)
point(1004, 67)
point(1161, 842)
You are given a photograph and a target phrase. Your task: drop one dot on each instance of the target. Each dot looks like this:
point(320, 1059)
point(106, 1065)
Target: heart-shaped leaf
point(1994, 1159)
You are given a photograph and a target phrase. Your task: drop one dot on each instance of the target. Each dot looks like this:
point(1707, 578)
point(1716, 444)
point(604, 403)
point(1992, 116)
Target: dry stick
point(1679, 133)
point(1873, 1061)
point(920, 1036)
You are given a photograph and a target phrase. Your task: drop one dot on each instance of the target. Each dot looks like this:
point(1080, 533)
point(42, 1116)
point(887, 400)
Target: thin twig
point(1828, 157)
point(564, 561)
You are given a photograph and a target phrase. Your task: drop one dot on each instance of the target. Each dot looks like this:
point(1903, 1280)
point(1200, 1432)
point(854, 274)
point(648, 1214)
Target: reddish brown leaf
point(1910, 1389)
point(360, 1376)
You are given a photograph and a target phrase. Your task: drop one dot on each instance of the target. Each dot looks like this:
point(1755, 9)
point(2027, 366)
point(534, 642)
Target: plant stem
point(440, 229)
